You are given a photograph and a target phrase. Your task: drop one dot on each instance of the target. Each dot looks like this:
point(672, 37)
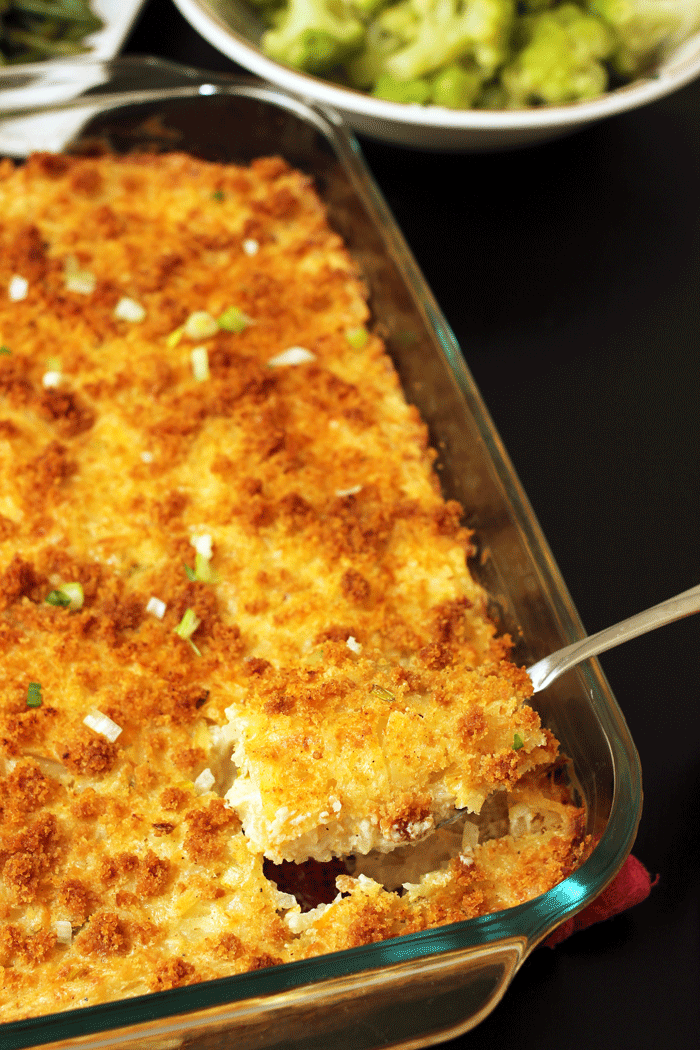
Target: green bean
point(33, 30)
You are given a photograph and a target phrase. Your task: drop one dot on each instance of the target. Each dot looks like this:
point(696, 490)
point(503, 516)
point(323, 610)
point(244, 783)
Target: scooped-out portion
point(241, 651)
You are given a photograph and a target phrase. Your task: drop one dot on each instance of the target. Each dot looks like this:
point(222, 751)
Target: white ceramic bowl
point(231, 27)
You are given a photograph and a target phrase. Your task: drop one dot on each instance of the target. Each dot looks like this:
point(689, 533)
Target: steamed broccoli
point(645, 28)
point(439, 51)
point(457, 86)
point(388, 32)
point(314, 35)
point(489, 54)
point(448, 30)
point(417, 91)
point(560, 58)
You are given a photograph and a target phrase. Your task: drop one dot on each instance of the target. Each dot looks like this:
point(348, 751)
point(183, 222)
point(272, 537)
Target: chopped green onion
point(218, 195)
point(5, 350)
point(293, 355)
point(199, 357)
point(203, 570)
point(382, 692)
point(34, 694)
point(200, 325)
point(68, 595)
point(187, 626)
point(129, 310)
point(352, 491)
point(77, 280)
point(518, 742)
point(234, 320)
point(51, 379)
point(63, 930)
point(57, 598)
point(174, 338)
point(156, 607)
point(103, 725)
point(357, 337)
point(18, 288)
point(202, 544)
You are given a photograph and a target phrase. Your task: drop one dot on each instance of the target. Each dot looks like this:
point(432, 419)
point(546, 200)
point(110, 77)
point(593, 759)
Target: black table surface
point(570, 274)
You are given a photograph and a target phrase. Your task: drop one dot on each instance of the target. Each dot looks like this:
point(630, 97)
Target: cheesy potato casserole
point(245, 672)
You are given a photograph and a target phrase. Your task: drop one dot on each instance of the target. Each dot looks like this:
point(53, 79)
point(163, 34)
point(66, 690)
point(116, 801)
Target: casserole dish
point(422, 988)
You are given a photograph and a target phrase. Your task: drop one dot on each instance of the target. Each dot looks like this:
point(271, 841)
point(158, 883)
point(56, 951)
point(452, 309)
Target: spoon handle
point(550, 667)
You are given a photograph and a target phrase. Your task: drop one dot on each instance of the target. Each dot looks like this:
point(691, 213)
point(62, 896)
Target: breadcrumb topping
point(238, 633)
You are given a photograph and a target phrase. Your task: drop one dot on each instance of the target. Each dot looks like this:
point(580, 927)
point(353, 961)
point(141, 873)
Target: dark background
point(570, 274)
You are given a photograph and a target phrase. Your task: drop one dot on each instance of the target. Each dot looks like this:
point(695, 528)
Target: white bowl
point(234, 30)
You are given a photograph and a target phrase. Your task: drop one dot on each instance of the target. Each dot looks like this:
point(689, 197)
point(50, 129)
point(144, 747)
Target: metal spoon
point(550, 667)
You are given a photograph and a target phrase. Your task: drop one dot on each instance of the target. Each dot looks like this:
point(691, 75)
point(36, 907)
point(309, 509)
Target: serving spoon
point(550, 667)
point(544, 672)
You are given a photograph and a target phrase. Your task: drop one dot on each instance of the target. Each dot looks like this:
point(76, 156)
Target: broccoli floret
point(417, 91)
point(267, 11)
point(449, 30)
point(560, 58)
point(389, 31)
point(646, 28)
point(366, 9)
point(476, 53)
point(314, 35)
point(457, 86)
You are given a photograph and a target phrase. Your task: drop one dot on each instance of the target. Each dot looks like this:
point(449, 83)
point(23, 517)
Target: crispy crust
point(341, 649)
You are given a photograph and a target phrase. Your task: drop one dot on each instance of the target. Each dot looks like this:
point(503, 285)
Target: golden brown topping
point(20, 580)
point(355, 586)
point(92, 756)
point(77, 900)
point(436, 656)
point(472, 725)
point(67, 412)
point(52, 165)
point(26, 255)
point(202, 840)
point(175, 973)
point(340, 649)
point(21, 875)
point(87, 180)
point(153, 875)
point(45, 473)
point(14, 383)
point(104, 935)
point(227, 946)
point(450, 624)
point(173, 799)
point(26, 788)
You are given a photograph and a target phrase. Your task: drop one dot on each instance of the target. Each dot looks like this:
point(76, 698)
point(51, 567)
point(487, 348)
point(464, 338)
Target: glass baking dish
point(423, 988)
